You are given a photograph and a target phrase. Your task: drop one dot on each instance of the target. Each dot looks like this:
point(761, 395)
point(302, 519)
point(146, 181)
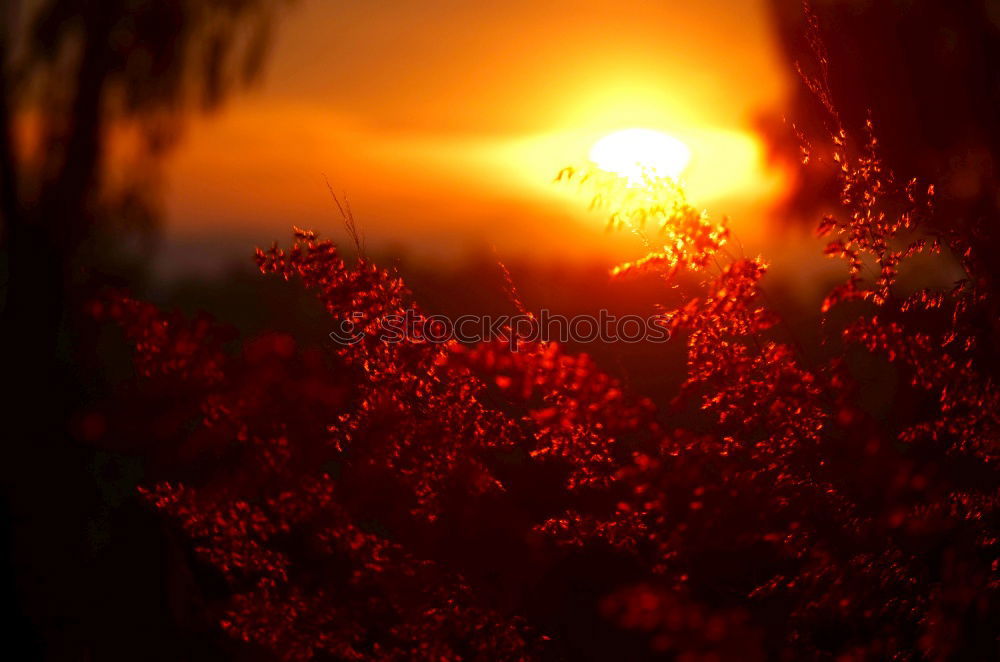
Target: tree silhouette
point(75, 71)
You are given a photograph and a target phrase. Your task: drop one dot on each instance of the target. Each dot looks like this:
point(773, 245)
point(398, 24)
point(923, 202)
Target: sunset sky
point(444, 123)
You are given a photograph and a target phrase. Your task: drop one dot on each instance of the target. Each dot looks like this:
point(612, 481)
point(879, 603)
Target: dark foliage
point(417, 500)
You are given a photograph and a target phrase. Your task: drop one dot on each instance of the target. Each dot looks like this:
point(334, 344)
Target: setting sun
point(631, 153)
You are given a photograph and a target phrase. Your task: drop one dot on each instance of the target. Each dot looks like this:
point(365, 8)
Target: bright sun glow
point(631, 153)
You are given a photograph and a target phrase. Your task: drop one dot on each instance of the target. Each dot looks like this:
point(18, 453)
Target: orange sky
point(445, 122)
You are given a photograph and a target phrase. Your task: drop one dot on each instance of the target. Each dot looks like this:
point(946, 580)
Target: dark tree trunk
point(42, 467)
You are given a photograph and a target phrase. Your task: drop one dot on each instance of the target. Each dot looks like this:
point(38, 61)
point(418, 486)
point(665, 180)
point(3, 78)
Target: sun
point(635, 153)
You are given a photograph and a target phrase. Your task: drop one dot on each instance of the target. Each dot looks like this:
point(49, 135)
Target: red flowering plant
point(409, 499)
